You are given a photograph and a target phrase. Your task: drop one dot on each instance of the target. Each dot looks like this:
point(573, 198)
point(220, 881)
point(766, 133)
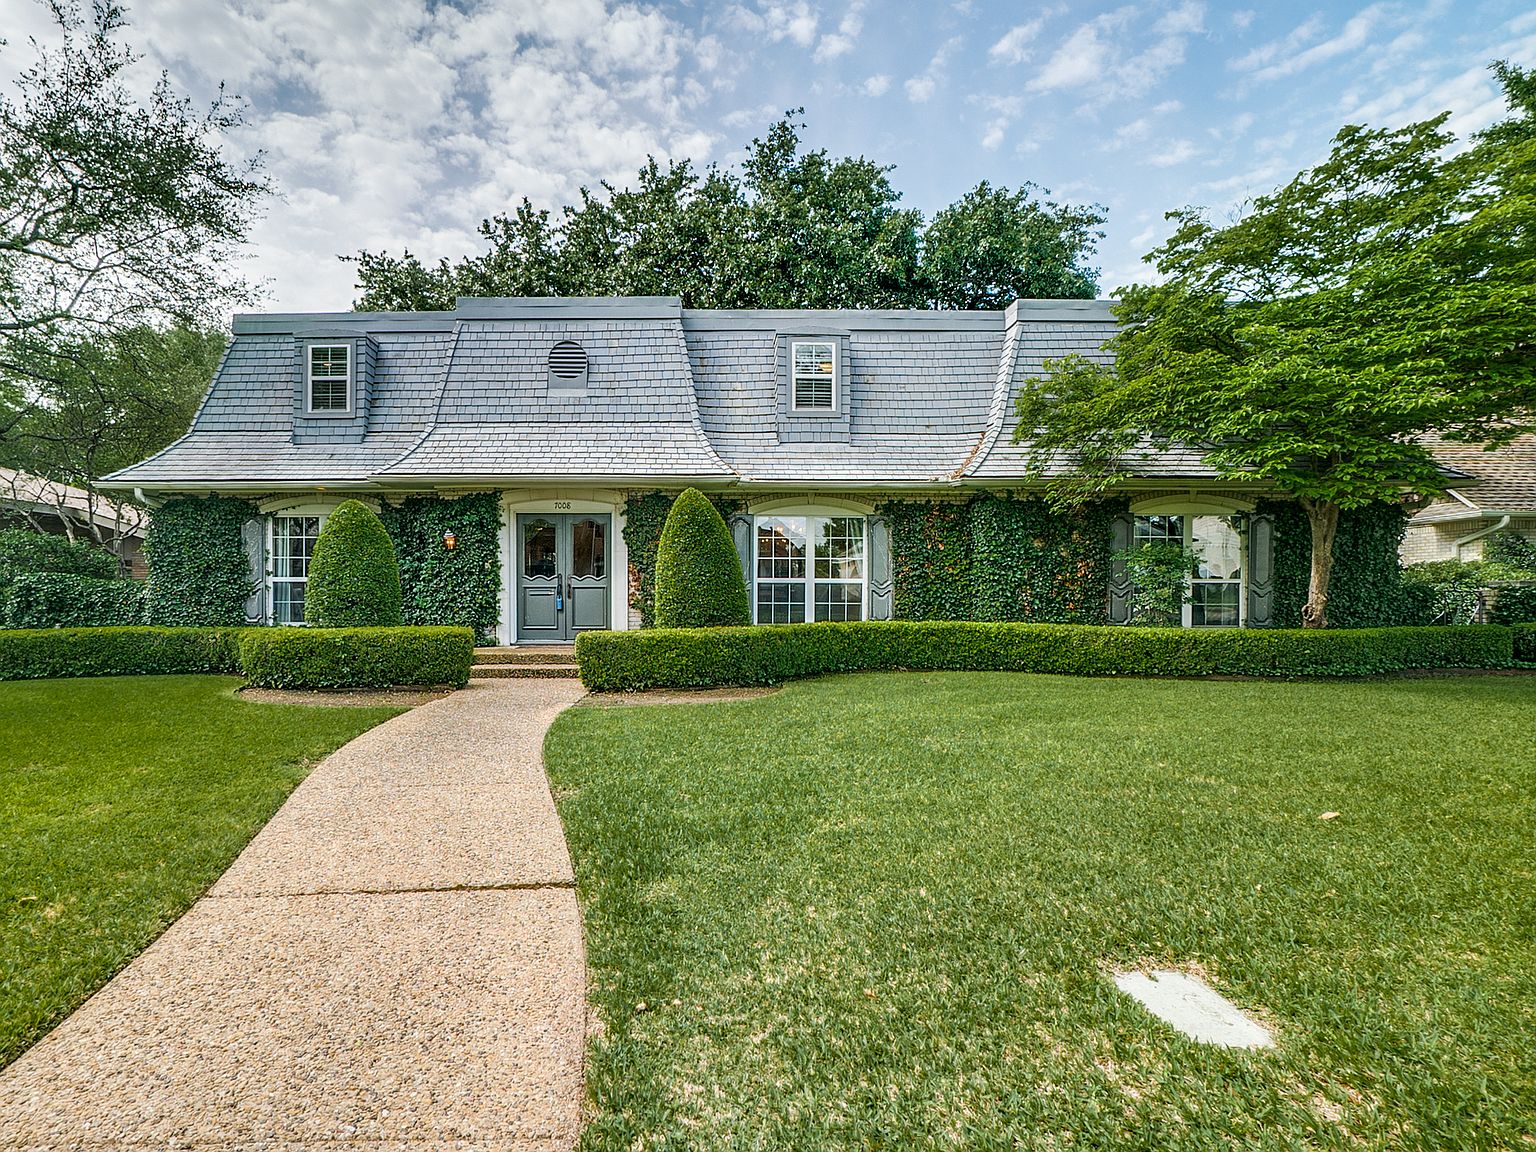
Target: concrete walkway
point(394, 963)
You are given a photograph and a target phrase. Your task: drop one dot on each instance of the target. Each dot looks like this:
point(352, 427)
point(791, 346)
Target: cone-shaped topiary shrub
point(354, 578)
point(698, 575)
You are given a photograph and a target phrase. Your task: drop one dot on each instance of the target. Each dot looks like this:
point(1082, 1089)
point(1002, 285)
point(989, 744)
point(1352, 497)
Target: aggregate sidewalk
point(394, 963)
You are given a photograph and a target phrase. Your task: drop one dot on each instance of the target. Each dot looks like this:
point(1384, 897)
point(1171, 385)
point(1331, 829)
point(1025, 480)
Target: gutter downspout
point(1465, 540)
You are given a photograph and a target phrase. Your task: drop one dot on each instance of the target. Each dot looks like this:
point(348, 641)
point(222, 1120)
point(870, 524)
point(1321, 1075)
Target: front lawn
point(878, 912)
point(121, 801)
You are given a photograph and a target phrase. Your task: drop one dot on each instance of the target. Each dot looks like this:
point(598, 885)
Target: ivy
point(459, 586)
point(930, 559)
point(645, 514)
point(199, 575)
point(1033, 563)
point(1367, 588)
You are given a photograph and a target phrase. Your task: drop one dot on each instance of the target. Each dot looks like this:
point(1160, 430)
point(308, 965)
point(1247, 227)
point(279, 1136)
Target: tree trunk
point(1323, 518)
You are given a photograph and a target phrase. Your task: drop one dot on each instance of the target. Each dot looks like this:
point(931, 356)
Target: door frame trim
point(515, 504)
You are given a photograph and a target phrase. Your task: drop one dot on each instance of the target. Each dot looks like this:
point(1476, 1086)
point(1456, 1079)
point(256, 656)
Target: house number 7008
point(562, 505)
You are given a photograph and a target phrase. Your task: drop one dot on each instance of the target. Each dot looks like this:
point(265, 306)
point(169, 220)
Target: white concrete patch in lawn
point(1194, 1008)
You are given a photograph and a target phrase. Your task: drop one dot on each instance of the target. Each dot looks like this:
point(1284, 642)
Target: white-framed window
point(1215, 597)
point(809, 568)
point(329, 377)
point(291, 544)
point(813, 375)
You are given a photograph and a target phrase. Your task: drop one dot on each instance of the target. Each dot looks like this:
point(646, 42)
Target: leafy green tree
point(1381, 295)
point(354, 576)
point(992, 247)
point(789, 229)
point(698, 574)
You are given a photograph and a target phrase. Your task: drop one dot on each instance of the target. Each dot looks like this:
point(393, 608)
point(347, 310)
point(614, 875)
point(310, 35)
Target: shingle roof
point(928, 397)
point(1501, 481)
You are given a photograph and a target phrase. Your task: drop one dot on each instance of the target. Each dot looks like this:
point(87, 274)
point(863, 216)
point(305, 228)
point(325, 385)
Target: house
point(61, 509)
point(817, 428)
point(1490, 492)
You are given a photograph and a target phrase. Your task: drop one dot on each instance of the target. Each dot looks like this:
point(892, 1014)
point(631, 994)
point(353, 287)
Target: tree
point(354, 576)
point(1384, 294)
point(992, 247)
point(789, 229)
point(698, 574)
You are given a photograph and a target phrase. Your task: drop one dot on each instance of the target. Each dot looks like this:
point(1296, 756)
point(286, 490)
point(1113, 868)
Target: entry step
point(527, 654)
point(544, 669)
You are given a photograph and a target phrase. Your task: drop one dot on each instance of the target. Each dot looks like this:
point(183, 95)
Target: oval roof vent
point(568, 363)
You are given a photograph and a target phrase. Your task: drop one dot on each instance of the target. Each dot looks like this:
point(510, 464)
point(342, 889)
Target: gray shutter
point(881, 605)
point(1261, 572)
point(253, 537)
point(741, 533)
point(1121, 532)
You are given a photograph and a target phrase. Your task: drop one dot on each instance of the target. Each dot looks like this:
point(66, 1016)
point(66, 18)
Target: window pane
point(781, 548)
point(1219, 546)
point(1160, 529)
point(293, 542)
point(781, 603)
point(814, 371)
point(840, 548)
point(839, 601)
point(288, 601)
point(587, 556)
point(539, 548)
point(328, 378)
point(1214, 604)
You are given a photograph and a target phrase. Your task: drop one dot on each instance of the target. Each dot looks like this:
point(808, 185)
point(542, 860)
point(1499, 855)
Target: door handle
point(559, 593)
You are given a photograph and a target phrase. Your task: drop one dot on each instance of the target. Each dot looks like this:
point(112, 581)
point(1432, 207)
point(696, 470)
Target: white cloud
point(1097, 54)
point(877, 85)
point(1014, 45)
point(1286, 57)
point(1004, 111)
point(1174, 152)
point(1242, 19)
point(778, 20)
point(841, 42)
point(920, 88)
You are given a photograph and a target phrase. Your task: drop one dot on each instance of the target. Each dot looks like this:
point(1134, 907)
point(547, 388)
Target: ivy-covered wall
point(999, 558)
point(198, 572)
point(1366, 588)
point(439, 586)
point(645, 514)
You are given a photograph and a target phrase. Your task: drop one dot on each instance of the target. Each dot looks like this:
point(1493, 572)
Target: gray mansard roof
point(671, 395)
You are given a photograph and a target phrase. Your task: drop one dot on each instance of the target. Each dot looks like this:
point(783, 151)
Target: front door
point(562, 585)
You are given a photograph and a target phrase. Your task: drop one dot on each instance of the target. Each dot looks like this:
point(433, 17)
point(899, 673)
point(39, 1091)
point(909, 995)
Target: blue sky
point(395, 123)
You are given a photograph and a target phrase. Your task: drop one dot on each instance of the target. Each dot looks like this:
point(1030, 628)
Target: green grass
point(121, 801)
point(878, 912)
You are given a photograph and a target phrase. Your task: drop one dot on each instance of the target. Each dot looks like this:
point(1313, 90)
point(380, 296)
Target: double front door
point(562, 586)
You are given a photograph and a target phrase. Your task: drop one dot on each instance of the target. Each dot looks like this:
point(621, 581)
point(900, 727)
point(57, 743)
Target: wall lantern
point(450, 541)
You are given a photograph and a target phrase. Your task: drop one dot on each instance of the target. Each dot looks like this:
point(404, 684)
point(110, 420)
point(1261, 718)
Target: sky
point(393, 124)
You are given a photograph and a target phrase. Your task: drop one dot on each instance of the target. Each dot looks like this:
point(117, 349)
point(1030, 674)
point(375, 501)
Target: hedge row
point(65, 600)
point(710, 657)
point(269, 657)
point(1525, 642)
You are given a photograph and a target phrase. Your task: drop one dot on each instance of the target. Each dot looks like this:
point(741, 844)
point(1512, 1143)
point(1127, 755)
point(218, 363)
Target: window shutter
point(1261, 572)
point(253, 538)
point(1121, 529)
point(881, 603)
point(741, 533)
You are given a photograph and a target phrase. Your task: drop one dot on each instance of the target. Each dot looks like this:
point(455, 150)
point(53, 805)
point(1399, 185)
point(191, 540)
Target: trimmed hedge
point(705, 658)
point(63, 600)
point(1525, 642)
point(354, 578)
point(25, 552)
point(49, 653)
point(356, 657)
point(1514, 604)
point(698, 573)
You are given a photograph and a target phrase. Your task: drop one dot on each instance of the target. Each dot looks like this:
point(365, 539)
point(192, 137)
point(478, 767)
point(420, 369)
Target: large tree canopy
point(791, 229)
point(1387, 293)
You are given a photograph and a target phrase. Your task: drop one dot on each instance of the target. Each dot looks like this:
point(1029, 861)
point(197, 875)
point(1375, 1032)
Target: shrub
point(24, 552)
point(199, 574)
point(62, 652)
point(1525, 642)
point(1513, 549)
point(354, 579)
point(1514, 604)
point(698, 573)
point(356, 657)
point(701, 658)
point(1158, 575)
point(63, 600)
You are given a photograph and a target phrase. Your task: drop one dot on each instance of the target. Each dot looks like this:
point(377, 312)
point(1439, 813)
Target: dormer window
point(330, 377)
point(813, 375)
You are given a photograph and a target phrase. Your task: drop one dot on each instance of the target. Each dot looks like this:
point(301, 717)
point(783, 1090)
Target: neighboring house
point(1490, 492)
point(64, 510)
point(812, 419)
